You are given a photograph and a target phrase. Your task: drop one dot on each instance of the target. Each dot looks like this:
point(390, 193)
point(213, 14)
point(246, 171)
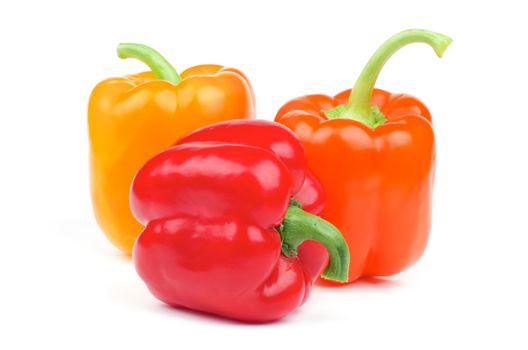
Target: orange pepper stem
point(299, 226)
point(162, 69)
point(359, 107)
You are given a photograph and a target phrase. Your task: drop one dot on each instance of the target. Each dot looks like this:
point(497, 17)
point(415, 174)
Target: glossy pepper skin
point(374, 153)
point(306, 189)
point(132, 118)
point(217, 213)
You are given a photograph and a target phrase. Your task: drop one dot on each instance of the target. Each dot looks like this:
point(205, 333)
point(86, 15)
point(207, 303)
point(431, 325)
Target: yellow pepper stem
point(152, 58)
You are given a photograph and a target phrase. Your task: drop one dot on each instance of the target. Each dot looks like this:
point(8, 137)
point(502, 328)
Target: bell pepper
point(374, 154)
point(221, 228)
point(132, 118)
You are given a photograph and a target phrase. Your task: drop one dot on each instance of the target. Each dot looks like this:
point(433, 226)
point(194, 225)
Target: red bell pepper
point(218, 213)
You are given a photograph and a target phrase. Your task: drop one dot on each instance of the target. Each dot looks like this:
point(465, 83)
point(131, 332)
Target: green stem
point(359, 107)
point(299, 226)
point(162, 69)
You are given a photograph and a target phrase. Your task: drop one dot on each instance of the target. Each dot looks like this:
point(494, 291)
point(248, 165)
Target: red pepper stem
point(359, 107)
point(162, 69)
point(299, 226)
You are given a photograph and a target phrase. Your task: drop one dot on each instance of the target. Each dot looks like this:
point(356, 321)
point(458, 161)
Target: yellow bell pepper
point(132, 118)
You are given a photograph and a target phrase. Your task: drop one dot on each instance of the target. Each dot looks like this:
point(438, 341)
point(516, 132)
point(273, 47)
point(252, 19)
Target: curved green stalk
point(299, 226)
point(358, 106)
point(162, 69)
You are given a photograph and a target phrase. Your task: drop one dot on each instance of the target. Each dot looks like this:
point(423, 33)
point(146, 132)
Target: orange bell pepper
point(374, 154)
point(132, 118)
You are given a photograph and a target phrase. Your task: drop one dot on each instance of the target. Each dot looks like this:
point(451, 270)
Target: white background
point(63, 286)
